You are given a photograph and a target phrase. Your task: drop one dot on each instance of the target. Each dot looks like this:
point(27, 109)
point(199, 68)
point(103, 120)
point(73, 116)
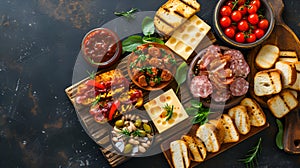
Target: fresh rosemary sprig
point(127, 14)
point(169, 109)
point(251, 158)
point(199, 112)
point(125, 132)
point(91, 74)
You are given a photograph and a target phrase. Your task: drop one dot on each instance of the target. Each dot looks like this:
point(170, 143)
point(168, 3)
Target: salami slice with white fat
point(201, 86)
point(238, 64)
point(221, 96)
point(239, 87)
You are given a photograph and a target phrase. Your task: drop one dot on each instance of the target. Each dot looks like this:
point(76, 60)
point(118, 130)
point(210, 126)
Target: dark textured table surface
point(39, 44)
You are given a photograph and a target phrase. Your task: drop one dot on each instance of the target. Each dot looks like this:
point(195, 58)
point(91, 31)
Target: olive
point(142, 133)
point(128, 148)
point(119, 123)
point(138, 123)
point(147, 128)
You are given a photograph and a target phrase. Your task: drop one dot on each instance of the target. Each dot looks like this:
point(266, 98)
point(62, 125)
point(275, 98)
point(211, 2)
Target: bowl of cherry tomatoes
point(243, 23)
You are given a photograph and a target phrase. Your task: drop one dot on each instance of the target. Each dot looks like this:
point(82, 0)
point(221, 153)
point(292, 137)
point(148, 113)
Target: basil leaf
point(152, 39)
point(279, 136)
point(127, 14)
point(131, 43)
point(148, 26)
point(180, 75)
point(196, 104)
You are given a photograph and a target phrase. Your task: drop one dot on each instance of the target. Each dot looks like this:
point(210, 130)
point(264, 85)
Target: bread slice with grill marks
point(288, 72)
point(267, 56)
point(256, 114)
point(288, 56)
point(179, 152)
point(230, 132)
point(173, 13)
point(296, 85)
point(241, 119)
point(267, 82)
point(196, 148)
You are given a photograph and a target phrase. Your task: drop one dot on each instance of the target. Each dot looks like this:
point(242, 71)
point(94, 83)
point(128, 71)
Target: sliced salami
point(239, 87)
point(238, 64)
point(201, 86)
point(221, 96)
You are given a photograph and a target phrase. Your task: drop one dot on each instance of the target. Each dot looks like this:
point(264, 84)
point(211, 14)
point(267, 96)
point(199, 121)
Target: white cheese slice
point(155, 109)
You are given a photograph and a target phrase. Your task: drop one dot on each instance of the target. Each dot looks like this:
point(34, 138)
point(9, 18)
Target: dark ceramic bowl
point(268, 13)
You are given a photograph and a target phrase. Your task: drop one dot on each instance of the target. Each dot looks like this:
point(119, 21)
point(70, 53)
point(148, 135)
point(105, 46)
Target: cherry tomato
point(252, 9)
point(251, 38)
point(230, 4)
point(241, 2)
point(236, 15)
point(242, 9)
point(225, 11)
point(259, 33)
point(225, 21)
point(256, 3)
point(263, 24)
point(240, 37)
point(253, 18)
point(243, 25)
point(230, 32)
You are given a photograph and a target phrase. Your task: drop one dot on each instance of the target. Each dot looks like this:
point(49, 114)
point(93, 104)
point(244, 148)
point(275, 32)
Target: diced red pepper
point(92, 82)
point(113, 109)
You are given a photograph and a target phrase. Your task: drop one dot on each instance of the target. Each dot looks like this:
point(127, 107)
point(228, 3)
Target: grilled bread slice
point(196, 148)
point(173, 13)
point(296, 85)
point(241, 119)
point(267, 82)
point(282, 103)
point(256, 114)
point(288, 72)
point(288, 56)
point(230, 133)
point(209, 135)
point(267, 56)
point(179, 154)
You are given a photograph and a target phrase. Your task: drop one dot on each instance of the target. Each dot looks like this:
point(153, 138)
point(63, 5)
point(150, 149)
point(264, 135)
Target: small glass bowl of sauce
point(101, 47)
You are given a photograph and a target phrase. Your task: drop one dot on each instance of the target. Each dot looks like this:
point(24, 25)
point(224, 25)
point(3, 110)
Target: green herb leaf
point(180, 75)
point(131, 43)
point(169, 109)
point(199, 112)
point(97, 100)
point(196, 104)
point(279, 136)
point(148, 26)
point(125, 132)
point(152, 39)
point(250, 159)
point(91, 74)
point(136, 133)
point(127, 14)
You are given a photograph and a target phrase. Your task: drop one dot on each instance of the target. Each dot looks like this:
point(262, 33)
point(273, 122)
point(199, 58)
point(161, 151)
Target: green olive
point(138, 123)
point(119, 123)
point(142, 133)
point(147, 128)
point(128, 148)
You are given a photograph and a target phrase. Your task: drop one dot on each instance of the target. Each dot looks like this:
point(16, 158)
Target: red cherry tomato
point(251, 38)
point(225, 21)
point(230, 4)
point(225, 11)
point(253, 18)
point(236, 15)
point(243, 25)
point(263, 24)
point(241, 2)
point(240, 37)
point(230, 32)
point(256, 3)
point(242, 9)
point(252, 9)
point(259, 33)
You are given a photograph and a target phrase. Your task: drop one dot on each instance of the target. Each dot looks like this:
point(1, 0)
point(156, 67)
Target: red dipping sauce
point(101, 47)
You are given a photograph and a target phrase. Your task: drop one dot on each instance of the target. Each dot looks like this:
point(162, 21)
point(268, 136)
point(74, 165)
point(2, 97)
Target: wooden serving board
point(283, 37)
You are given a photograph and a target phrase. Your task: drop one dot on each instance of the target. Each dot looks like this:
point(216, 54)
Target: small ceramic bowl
point(101, 47)
point(267, 12)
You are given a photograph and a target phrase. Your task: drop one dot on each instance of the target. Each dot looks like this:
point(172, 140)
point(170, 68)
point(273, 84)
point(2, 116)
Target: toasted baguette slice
point(267, 56)
point(179, 154)
point(282, 103)
point(267, 82)
point(231, 134)
point(288, 56)
point(256, 114)
point(173, 13)
point(241, 119)
point(294, 92)
point(296, 85)
point(208, 134)
point(196, 147)
point(288, 72)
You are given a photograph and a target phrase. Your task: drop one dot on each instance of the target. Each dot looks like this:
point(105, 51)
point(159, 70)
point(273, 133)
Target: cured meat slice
point(239, 87)
point(212, 52)
point(238, 64)
point(201, 86)
point(221, 96)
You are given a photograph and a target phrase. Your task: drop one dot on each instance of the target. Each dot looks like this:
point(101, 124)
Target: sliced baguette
point(267, 82)
point(241, 119)
point(282, 103)
point(231, 134)
point(267, 56)
point(296, 85)
point(288, 72)
point(179, 154)
point(288, 56)
point(196, 148)
point(256, 114)
point(208, 134)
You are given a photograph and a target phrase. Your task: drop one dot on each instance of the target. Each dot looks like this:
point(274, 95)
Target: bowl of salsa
point(101, 47)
